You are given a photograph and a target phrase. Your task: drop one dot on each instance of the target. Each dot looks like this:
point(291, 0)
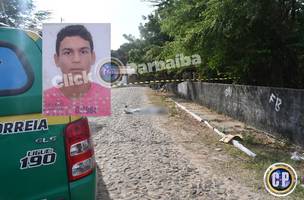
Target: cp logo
point(280, 179)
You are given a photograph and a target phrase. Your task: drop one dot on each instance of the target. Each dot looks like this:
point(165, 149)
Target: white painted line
point(207, 123)
point(192, 114)
point(238, 145)
point(219, 132)
point(235, 143)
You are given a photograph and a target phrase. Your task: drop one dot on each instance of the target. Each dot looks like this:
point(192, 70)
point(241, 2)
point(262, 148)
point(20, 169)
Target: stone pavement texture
point(159, 156)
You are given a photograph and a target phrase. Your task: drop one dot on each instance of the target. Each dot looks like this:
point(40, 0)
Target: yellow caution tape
point(177, 80)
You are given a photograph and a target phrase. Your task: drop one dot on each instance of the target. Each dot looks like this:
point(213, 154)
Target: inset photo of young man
point(71, 53)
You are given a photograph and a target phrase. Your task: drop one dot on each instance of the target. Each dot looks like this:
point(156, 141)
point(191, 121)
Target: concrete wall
point(275, 110)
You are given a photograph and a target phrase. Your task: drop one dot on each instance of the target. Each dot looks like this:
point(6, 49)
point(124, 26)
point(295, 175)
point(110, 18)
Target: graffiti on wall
point(277, 102)
point(228, 92)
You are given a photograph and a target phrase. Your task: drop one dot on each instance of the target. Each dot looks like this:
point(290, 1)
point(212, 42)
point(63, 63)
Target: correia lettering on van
point(23, 126)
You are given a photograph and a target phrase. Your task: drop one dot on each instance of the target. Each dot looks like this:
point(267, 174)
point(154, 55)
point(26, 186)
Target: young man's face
point(75, 55)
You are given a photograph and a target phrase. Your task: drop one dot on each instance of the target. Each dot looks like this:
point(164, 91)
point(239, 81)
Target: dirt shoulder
point(240, 175)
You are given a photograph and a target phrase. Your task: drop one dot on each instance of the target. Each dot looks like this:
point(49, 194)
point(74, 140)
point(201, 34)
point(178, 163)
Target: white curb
point(236, 143)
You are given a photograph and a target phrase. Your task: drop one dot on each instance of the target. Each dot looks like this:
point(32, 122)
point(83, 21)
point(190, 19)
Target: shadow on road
point(102, 191)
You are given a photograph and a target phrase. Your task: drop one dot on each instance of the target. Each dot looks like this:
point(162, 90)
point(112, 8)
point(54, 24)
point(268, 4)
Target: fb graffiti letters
point(278, 102)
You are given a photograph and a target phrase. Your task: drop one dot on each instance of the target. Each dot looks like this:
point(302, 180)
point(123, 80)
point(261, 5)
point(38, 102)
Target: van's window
point(15, 76)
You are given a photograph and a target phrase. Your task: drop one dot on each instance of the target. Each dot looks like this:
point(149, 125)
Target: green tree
point(259, 41)
point(22, 14)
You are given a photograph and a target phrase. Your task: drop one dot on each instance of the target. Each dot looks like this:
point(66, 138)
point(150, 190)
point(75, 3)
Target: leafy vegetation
point(22, 14)
point(259, 41)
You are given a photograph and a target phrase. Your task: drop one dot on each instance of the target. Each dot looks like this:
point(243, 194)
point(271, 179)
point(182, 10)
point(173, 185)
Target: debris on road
point(218, 149)
point(229, 137)
point(146, 110)
point(297, 156)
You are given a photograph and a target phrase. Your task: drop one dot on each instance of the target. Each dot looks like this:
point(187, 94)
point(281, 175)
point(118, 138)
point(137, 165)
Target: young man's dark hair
point(74, 30)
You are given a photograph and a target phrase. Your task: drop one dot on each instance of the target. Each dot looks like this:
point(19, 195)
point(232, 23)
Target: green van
point(42, 157)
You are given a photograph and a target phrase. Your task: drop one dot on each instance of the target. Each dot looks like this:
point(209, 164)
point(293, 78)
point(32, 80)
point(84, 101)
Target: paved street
point(150, 157)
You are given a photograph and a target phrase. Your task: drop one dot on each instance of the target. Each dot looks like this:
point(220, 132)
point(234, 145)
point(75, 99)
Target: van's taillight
point(79, 149)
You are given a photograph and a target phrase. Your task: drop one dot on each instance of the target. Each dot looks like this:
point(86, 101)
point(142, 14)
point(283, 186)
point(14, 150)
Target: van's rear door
point(33, 162)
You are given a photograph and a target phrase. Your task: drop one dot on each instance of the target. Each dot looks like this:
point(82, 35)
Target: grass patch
point(269, 150)
point(268, 154)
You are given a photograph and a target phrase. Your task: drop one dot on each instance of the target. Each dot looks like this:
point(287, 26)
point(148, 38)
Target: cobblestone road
point(139, 160)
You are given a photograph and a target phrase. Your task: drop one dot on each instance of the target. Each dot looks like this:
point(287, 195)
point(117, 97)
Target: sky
point(124, 15)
